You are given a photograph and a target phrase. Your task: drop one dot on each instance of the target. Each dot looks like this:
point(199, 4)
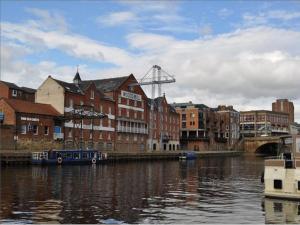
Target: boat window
point(76, 155)
point(84, 155)
point(69, 155)
point(64, 155)
point(277, 184)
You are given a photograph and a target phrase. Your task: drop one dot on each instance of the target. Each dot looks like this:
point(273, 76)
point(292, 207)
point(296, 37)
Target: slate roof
point(107, 85)
point(31, 107)
point(185, 104)
point(70, 87)
point(16, 87)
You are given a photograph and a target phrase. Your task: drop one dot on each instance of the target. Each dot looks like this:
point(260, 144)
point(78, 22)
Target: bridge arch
point(269, 148)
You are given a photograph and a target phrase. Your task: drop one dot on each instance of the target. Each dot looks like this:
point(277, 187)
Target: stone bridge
point(262, 145)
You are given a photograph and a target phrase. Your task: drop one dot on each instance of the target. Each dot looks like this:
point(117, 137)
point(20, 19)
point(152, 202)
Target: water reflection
point(281, 211)
point(209, 190)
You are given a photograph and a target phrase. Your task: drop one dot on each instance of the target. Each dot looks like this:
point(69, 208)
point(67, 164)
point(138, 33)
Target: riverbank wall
point(22, 157)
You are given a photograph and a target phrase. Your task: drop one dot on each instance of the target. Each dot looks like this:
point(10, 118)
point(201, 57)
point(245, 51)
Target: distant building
point(204, 128)
point(263, 123)
point(13, 91)
point(165, 128)
point(285, 106)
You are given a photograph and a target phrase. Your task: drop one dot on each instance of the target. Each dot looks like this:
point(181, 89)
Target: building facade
point(77, 101)
point(257, 123)
point(285, 106)
point(29, 123)
point(203, 128)
point(13, 91)
point(163, 126)
point(130, 107)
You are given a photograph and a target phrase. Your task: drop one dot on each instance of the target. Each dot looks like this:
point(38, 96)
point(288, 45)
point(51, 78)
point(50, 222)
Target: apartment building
point(203, 128)
point(83, 107)
point(13, 91)
point(164, 131)
point(130, 107)
point(263, 123)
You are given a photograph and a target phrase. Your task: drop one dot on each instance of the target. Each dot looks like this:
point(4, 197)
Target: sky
point(240, 53)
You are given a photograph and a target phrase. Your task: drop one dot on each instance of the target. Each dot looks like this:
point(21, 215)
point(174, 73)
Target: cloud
point(206, 30)
point(263, 18)
point(224, 13)
point(247, 68)
point(47, 20)
point(117, 18)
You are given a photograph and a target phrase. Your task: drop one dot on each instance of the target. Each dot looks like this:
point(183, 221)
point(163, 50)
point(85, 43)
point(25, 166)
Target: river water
point(208, 190)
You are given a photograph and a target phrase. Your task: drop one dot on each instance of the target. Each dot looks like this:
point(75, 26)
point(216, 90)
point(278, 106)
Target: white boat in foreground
point(282, 176)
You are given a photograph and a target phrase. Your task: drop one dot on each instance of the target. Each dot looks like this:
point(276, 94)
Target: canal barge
point(62, 157)
point(282, 176)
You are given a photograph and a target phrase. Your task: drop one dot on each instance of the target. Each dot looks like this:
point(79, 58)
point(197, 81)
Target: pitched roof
point(16, 87)
point(70, 87)
point(31, 107)
point(107, 85)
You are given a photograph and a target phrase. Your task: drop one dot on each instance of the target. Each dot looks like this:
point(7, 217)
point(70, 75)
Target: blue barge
point(62, 157)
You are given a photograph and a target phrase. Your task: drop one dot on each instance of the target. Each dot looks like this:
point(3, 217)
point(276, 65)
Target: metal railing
point(136, 130)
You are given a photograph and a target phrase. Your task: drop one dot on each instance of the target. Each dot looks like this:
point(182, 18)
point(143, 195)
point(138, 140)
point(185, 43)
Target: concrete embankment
point(22, 157)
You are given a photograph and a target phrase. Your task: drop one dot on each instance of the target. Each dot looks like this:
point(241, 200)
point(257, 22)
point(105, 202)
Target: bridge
point(263, 145)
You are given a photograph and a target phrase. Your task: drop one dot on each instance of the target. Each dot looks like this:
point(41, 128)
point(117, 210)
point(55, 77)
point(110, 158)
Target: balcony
point(134, 130)
point(166, 138)
point(194, 138)
point(58, 136)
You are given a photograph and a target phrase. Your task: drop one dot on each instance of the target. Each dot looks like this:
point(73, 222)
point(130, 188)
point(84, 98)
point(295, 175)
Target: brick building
point(165, 128)
point(71, 99)
point(131, 111)
point(29, 121)
point(203, 128)
point(13, 91)
point(285, 106)
point(263, 123)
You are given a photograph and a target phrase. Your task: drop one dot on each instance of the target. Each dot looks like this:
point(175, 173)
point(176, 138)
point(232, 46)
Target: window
point(109, 123)
point(14, 93)
point(183, 116)
point(109, 110)
point(298, 185)
point(46, 130)
point(135, 103)
point(127, 112)
point(108, 137)
point(100, 135)
point(70, 133)
point(183, 124)
point(92, 94)
point(277, 184)
point(71, 103)
point(23, 129)
point(127, 102)
point(154, 147)
point(119, 100)
point(81, 102)
point(135, 115)
point(35, 130)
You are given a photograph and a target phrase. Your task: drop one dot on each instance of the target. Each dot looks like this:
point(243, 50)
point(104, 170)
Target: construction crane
point(155, 76)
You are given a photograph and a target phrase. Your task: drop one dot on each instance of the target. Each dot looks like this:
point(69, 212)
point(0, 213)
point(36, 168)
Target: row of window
point(170, 147)
point(71, 105)
point(34, 129)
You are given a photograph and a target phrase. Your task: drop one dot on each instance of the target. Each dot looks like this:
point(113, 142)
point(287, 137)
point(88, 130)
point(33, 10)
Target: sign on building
point(297, 144)
point(130, 95)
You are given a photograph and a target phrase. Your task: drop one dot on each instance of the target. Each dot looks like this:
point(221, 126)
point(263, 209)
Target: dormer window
point(92, 94)
point(14, 93)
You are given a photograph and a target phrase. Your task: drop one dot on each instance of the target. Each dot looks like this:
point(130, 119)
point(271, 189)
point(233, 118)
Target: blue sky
point(244, 53)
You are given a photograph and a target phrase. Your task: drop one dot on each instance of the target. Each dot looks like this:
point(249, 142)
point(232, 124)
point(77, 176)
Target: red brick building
point(30, 121)
point(12, 91)
point(130, 111)
point(284, 106)
point(76, 101)
point(164, 134)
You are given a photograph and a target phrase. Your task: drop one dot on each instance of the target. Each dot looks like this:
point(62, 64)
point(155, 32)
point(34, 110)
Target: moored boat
point(282, 176)
point(187, 156)
point(62, 157)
